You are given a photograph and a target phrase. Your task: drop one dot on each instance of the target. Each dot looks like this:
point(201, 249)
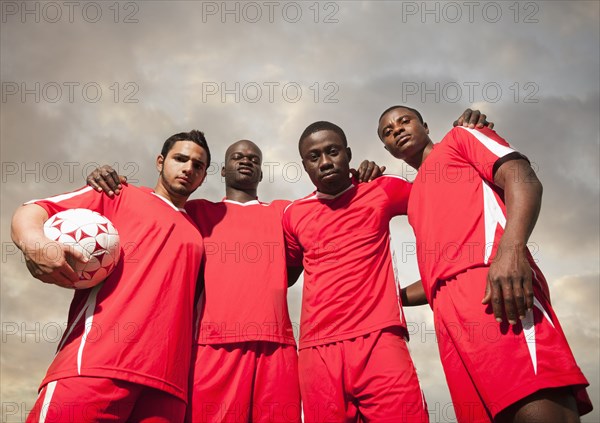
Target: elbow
point(538, 188)
point(535, 186)
point(14, 224)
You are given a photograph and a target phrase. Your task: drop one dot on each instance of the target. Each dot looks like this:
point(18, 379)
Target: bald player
point(246, 365)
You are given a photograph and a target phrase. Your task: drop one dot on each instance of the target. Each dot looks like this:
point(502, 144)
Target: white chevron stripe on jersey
point(47, 398)
point(68, 333)
point(493, 216)
point(90, 308)
point(62, 197)
point(492, 145)
point(537, 304)
point(529, 331)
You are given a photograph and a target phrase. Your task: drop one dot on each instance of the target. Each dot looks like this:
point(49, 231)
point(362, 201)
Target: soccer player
point(245, 363)
point(354, 363)
point(245, 359)
point(473, 206)
point(125, 356)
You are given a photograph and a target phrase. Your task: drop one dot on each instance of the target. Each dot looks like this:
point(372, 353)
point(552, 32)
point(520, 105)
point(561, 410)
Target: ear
point(304, 166)
point(160, 160)
point(426, 128)
point(223, 171)
point(386, 147)
point(349, 153)
point(261, 176)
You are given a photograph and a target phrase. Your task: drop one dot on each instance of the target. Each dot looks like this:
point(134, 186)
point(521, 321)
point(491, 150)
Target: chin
point(332, 187)
point(181, 190)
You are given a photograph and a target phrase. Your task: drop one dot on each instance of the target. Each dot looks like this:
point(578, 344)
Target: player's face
point(402, 133)
point(327, 161)
point(183, 170)
point(242, 167)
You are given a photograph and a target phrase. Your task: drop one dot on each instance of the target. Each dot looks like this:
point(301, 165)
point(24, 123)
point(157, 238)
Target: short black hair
point(195, 136)
point(415, 111)
point(323, 125)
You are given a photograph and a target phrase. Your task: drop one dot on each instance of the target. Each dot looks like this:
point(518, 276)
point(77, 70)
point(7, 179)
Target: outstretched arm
point(509, 282)
point(45, 259)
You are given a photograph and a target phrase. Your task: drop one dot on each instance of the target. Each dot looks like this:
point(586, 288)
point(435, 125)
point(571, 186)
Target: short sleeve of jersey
point(484, 149)
point(398, 192)
point(85, 197)
point(293, 250)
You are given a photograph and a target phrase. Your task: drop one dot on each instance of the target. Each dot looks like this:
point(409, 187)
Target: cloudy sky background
point(114, 80)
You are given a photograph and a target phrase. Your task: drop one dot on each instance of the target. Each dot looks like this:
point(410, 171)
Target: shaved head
point(242, 143)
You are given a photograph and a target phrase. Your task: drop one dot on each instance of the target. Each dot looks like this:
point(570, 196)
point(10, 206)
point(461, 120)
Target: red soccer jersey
point(245, 274)
point(137, 325)
point(457, 213)
point(343, 241)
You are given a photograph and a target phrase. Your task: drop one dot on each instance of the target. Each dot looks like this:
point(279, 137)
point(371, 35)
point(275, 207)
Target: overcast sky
point(106, 82)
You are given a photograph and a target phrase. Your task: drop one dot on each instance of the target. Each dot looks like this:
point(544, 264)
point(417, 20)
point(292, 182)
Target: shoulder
point(129, 189)
point(199, 204)
point(278, 205)
point(85, 192)
point(389, 182)
point(304, 200)
point(482, 136)
point(300, 205)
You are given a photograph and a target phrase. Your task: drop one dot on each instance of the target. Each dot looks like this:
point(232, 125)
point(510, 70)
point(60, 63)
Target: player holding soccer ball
point(114, 361)
point(92, 234)
point(473, 205)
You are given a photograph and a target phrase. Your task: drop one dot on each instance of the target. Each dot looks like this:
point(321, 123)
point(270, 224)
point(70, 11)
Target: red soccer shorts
point(95, 399)
point(242, 382)
point(491, 365)
point(369, 378)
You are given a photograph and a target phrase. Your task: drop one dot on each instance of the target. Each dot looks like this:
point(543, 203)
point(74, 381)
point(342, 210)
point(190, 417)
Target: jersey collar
point(168, 202)
point(247, 203)
point(323, 196)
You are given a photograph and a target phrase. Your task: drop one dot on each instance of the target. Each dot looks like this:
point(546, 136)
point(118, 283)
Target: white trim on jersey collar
point(323, 196)
point(169, 202)
point(247, 203)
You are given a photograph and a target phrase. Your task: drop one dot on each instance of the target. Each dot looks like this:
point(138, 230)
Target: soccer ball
point(93, 235)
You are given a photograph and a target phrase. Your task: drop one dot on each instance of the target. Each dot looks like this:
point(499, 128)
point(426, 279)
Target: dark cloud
point(157, 76)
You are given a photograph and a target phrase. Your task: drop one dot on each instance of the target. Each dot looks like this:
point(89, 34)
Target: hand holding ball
point(94, 236)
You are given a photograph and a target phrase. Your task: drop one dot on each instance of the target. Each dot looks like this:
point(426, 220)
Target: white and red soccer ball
point(93, 235)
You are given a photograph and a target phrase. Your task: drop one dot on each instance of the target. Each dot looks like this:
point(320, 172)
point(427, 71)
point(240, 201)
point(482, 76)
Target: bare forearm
point(413, 295)
point(509, 283)
point(27, 232)
point(27, 225)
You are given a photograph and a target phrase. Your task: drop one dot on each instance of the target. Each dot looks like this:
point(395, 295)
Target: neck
point(340, 189)
point(177, 200)
point(417, 160)
point(241, 196)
